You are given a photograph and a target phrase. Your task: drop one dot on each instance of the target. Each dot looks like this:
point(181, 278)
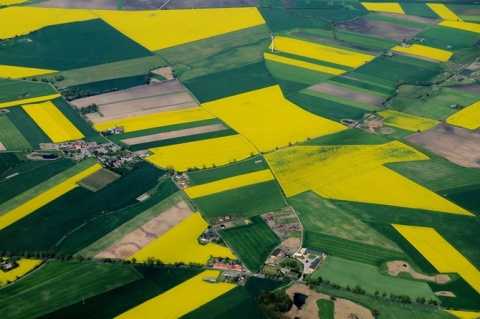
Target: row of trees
point(274, 304)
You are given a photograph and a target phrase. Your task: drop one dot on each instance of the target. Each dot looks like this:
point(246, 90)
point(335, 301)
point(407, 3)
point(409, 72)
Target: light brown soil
point(398, 266)
point(457, 145)
point(174, 134)
point(379, 28)
point(132, 94)
point(166, 72)
point(138, 239)
point(2, 147)
point(91, 4)
point(152, 102)
point(92, 116)
point(348, 93)
point(291, 244)
point(343, 308)
point(445, 293)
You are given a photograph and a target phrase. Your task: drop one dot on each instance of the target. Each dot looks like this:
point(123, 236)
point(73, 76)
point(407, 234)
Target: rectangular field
point(10, 136)
point(252, 243)
point(407, 121)
point(98, 180)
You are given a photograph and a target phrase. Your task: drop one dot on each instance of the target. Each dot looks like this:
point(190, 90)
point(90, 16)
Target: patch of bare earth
point(150, 231)
point(291, 245)
point(174, 134)
point(381, 29)
point(79, 4)
point(398, 266)
point(166, 72)
point(2, 147)
point(445, 293)
point(343, 308)
point(457, 145)
point(348, 94)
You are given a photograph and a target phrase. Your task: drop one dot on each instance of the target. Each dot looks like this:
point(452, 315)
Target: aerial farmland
point(239, 159)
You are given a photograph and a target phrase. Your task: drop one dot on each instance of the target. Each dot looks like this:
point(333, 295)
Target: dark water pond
point(299, 300)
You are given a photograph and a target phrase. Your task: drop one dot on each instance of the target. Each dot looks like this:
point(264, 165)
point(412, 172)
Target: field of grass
point(10, 136)
point(387, 308)
point(42, 229)
point(7, 160)
point(219, 53)
point(351, 273)
point(349, 137)
point(99, 87)
point(441, 36)
point(59, 284)
point(93, 40)
point(27, 127)
point(234, 81)
point(418, 9)
point(244, 201)
point(372, 86)
point(321, 216)
point(325, 309)
point(253, 243)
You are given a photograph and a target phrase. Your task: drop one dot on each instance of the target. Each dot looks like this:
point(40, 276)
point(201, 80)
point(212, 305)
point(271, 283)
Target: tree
point(375, 312)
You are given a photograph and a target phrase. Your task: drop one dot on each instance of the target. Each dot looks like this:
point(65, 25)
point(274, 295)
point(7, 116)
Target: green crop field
point(326, 309)
point(7, 160)
point(92, 46)
point(75, 118)
point(234, 81)
point(219, 53)
point(465, 296)
point(252, 243)
point(418, 9)
point(321, 216)
point(251, 165)
point(10, 136)
point(12, 90)
point(112, 303)
point(99, 87)
point(43, 229)
point(448, 38)
point(398, 19)
point(30, 175)
point(27, 127)
point(59, 284)
point(351, 273)
point(349, 137)
point(371, 86)
point(160, 201)
point(243, 201)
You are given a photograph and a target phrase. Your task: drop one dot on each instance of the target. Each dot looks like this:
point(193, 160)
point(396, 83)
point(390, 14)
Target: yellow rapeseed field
point(321, 52)
point(24, 266)
point(392, 7)
point(9, 2)
point(16, 21)
point(424, 51)
point(157, 30)
point(44, 198)
point(229, 183)
point(468, 117)
point(464, 314)
point(181, 299)
point(467, 26)
point(443, 12)
point(180, 244)
point(52, 122)
point(30, 100)
point(356, 173)
point(443, 256)
point(407, 121)
point(269, 120)
point(144, 122)
point(302, 64)
point(17, 72)
point(211, 152)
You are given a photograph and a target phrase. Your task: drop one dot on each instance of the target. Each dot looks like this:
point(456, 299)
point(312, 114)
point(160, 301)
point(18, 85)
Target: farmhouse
point(314, 265)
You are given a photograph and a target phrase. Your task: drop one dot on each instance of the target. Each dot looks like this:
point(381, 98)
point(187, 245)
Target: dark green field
point(457, 39)
point(243, 201)
point(11, 90)
point(418, 9)
point(325, 309)
point(41, 230)
point(234, 81)
point(114, 302)
point(57, 285)
point(243, 167)
point(11, 137)
point(371, 86)
point(7, 160)
point(349, 137)
point(73, 116)
point(99, 87)
point(27, 127)
point(71, 46)
point(252, 243)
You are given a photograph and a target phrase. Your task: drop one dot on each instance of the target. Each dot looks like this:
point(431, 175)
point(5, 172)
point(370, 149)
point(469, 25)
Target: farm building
point(314, 265)
point(276, 253)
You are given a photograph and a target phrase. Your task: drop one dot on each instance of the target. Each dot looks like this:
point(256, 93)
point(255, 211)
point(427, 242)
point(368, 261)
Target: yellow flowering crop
point(467, 26)
point(144, 122)
point(17, 72)
point(181, 299)
point(321, 52)
point(180, 244)
point(30, 100)
point(407, 121)
point(468, 117)
point(424, 51)
point(464, 314)
point(268, 120)
point(392, 7)
point(157, 30)
point(44, 198)
point(302, 64)
point(16, 21)
point(443, 256)
point(443, 12)
point(9, 2)
point(210, 152)
point(24, 266)
point(52, 122)
point(355, 173)
point(229, 183)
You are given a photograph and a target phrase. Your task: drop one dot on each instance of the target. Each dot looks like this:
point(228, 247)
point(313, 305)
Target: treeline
point(274, 305)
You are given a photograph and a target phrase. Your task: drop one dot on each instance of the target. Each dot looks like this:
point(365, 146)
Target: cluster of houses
point(114, 130)
point(208, 236)
point(314, 257)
